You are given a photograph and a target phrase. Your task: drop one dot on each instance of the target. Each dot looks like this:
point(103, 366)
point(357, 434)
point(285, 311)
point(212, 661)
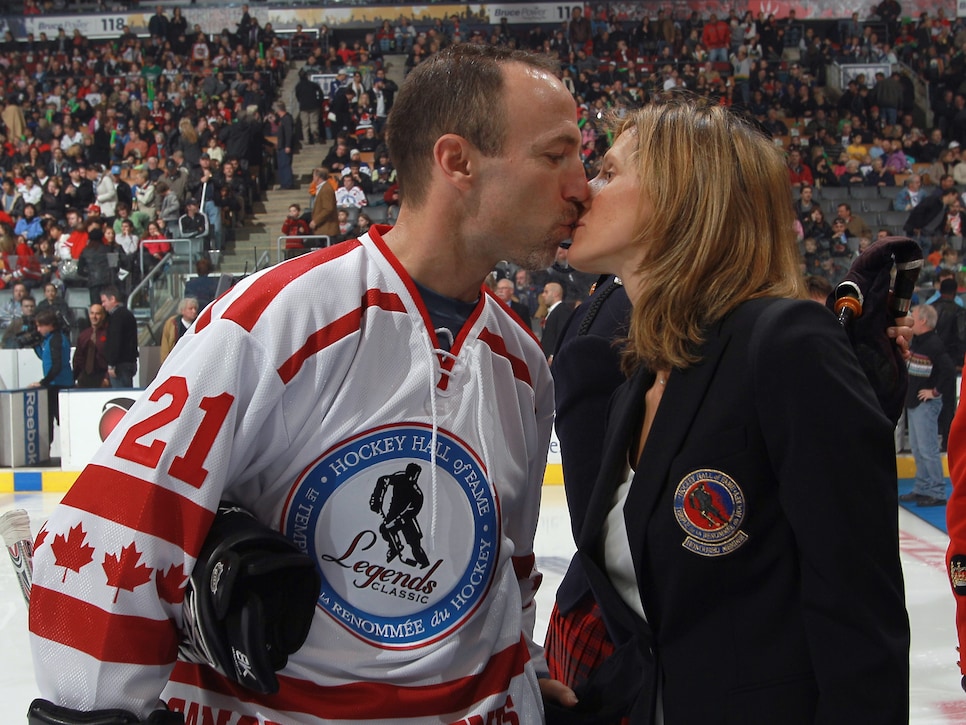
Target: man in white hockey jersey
point(395, 356)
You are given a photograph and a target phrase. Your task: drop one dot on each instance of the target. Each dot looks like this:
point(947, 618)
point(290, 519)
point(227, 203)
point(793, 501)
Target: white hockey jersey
point(314, 395)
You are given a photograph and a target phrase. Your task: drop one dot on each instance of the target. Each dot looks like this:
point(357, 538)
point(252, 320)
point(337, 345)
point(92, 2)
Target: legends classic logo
point(404, 558)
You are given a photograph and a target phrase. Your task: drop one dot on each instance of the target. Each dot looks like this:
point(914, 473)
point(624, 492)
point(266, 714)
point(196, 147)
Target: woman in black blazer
point(741, 539)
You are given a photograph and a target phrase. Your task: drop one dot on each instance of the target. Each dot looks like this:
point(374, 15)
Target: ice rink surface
point(935, 692)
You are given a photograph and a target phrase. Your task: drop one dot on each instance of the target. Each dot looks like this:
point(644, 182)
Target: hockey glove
point(43, 712)
point(249, 601)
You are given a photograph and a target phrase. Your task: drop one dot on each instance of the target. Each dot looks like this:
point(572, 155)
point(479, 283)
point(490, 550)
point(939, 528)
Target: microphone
point(908, 265)
point(848, 302)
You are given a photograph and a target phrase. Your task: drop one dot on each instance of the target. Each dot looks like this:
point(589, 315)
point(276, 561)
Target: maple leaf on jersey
point(71, 552)
point(171, 584)
point(124, 571)
point(41, 538)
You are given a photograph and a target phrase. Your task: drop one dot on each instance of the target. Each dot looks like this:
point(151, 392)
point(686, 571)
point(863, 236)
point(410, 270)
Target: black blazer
point(762, 522)
point(553, 325)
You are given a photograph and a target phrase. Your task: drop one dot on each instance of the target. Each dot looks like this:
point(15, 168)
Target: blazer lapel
point(685, 392)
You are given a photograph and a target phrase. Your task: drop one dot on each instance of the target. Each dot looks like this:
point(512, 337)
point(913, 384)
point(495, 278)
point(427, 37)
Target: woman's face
point(603, 239)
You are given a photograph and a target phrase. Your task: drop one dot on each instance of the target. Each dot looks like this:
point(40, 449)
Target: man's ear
point(453, 156)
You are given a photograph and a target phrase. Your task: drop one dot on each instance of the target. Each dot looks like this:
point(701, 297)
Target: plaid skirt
point(577, 642)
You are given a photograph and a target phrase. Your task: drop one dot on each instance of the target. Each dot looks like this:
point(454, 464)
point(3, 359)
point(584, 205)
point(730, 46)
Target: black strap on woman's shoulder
point(598, 302)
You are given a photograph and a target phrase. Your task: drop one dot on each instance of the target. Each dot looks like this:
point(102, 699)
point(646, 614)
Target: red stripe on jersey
point(510, 313)
point(249, 306)
point(335, 331)
point(498, 346)
point(140, 505)
point(104, 636)
point(380, 701)
point(523, 565)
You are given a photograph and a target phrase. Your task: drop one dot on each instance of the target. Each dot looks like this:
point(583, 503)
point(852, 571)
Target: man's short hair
point(948, 286)
point(47, 317)
point(459, 90)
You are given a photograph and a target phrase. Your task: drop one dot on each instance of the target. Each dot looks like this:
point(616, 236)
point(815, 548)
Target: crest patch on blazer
point(710, 507)
point(957, 574)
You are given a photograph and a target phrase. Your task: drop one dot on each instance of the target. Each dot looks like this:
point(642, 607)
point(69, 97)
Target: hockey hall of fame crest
point(404, 561)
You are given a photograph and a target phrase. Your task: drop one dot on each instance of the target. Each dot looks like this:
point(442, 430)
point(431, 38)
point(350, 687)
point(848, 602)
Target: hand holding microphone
point(875, 315)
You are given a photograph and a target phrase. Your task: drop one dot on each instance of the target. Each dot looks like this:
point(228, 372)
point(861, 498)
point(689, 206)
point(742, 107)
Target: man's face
point(190, 311)
point(806, 193)
point(919, 324)
point(96, 315)
point(28, 307)
point(50, 292)
point(19, 292)
point(535, 189)
point(109, 303)
point(504, 290)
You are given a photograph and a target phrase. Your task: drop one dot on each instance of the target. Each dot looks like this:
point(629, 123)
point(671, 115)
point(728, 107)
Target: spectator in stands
point(54, 352)
point(285, 144)
point(177, 325)
point(146, 193)
point(383, 93)
point(203, 286)
point(928, 218)
point(121, 349)
point(308, 93)
point(505, 291)
point(154, 244)
point(944, 165)
point(910, 195)
point(855, 224)
point(188, 142)
point(955, 226)
point(345, 224)
point(52, 203)
point(139, 219)
point(798, 173)
point(818, 288)
point(192, 224)
point(341, 113)
point(20, 327)
point(879, 175)
point(930, 372)
point(129, 243)
point(72, 242)
point(324, 216)
point(716, 38)
point(204, 183)
point(94, 265)
point(293, 227)
point(816, 227)
point(852, 176)
point(349, 195)
point(362, 225)
point(824, 175)
point(29, 225)
point(338, 156)
point(105, 191)
point(810, 257)
point(170, 209)
point(11, 200)
point(53, 300)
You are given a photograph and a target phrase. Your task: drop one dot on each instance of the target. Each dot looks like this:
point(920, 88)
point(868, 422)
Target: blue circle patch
point(405, 556)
